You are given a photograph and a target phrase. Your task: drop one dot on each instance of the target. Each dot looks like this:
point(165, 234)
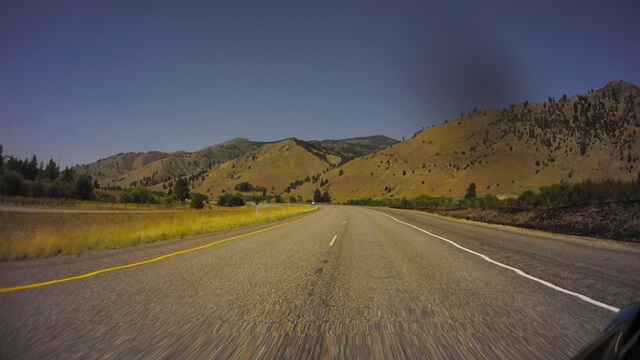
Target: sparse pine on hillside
point(471, 191)
point(505, 152)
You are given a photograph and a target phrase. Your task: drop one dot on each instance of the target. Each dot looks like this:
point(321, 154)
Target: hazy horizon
point(83, 81)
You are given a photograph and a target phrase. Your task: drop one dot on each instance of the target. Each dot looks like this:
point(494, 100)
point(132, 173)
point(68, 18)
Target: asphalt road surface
point(343, 282)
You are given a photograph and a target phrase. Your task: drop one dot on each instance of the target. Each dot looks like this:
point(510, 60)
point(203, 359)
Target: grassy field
point(34, 235)
point(74, 204)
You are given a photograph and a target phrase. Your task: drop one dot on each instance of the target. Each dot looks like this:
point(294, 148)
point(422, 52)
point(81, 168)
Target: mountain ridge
point(155, 167)
point(504, 151)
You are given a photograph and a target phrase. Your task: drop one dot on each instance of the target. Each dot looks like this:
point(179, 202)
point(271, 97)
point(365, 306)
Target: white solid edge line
point(516, 270)
point(333, 240)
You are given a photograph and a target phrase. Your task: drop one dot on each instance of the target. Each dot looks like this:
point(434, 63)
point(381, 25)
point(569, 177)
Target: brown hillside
point(504, 152)
point(273, 166)
point(154, 168)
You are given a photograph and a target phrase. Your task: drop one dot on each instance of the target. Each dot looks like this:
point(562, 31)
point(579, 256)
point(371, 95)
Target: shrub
point(244, 187)
point(230, 200)
point(527, 198)
point(141, 195)
point(556, 194)
point(37, 189)
point(198, 200)
point(54, 191)
point(12, 184)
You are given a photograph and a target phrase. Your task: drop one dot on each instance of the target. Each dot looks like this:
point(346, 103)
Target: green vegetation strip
point(556, 195)
point(34, 235)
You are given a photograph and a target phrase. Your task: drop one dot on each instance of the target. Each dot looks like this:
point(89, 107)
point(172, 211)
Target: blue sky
point(82, 80)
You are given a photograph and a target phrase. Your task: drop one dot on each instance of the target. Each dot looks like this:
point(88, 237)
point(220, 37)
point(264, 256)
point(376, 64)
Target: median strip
point(156, 259)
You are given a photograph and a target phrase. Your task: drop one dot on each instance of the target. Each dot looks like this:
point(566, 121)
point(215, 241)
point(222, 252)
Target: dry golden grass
point(73, 204)
point(31, 235)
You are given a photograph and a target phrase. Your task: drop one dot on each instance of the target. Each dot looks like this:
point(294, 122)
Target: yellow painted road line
point(126, 266)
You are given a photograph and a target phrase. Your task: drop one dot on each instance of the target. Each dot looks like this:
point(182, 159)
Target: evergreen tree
point(68, 175)
point(326, 197)
point(32, 168)
point(84, 187)
point(471, 191)
point(317, 196)
point(52, 170)
point(181, 189)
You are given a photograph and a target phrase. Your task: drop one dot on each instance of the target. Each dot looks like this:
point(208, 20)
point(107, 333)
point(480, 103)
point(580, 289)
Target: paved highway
point(343, 282)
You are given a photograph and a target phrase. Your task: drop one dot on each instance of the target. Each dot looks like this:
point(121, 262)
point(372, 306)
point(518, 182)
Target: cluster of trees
point(321, 197)
point(139, 195)
point(313, 179)
point(248, 187)
point(33, 179)
point(419, 202)
point(556, 195)
point(29, 178)
point(154, 179)
point(230, 200)
point(178, 192)
point(294, 185)
point(586, 192)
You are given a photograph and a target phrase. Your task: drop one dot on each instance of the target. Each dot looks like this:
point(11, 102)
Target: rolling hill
point(277, 164)
point(349, 149)
point(152, 168)
point(273, 166)
point(593, 136)
point(505, 152)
